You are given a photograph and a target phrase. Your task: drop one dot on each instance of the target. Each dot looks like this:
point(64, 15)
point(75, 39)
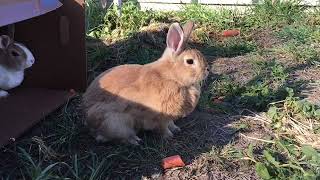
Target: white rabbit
point(14, 59)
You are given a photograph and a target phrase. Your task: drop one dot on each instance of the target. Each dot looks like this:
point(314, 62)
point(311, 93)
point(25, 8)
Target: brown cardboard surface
point(24, 107)
point(60, 66)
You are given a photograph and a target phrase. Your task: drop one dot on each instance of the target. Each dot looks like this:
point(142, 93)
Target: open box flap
point(24, 108)
point(12, 11)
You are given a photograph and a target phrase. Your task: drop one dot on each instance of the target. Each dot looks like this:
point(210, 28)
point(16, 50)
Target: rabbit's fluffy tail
point(108, 123)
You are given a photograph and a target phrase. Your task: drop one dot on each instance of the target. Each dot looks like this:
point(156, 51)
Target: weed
point(94, 16)
point(301, 43)
point(273, 14)
point(224, 86)
point(204, 100)
point(268, 86)
point(217, 19)
point(235, 47)
point(292, 153)
point(142, 55)
point(298, 118)
point(130, 21)
point(98, 55)
point(300, 34)
point(283, 160)
point(303, 54)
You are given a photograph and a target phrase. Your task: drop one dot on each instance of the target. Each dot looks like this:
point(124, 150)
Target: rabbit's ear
point(5, 41)
point(103, 3)
point(175, 38)
point(187, 30)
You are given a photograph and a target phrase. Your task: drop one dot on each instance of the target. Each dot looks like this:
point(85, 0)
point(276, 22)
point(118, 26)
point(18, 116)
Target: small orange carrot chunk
point(172, 161)
point(230, 33)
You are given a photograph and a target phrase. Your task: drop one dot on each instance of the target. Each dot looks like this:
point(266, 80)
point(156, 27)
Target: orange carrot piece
point(172, 161)
point(217, 101)
point(230, 33)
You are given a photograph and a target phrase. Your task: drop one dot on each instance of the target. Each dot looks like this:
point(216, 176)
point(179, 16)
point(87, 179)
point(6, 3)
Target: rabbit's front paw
point(3, 94)
point(167, 134)
point(134, 140)
point(173, 128)
point(101, 139)
point(195, 93)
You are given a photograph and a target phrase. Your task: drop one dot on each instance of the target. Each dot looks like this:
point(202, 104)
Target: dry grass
point(301, 129)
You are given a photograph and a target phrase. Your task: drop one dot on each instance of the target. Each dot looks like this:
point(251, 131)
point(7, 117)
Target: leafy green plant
point(301, 34)
point(292, 153)
point(94, 16)
point(268, 86)
point(115, 26)
point(308, 53)
point(285, 160)
point(300, 43)
point(224, 86)
point(217, 19)
point(272, 14)
point(294, 111)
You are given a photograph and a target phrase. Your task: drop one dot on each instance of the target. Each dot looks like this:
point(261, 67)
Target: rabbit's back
point(139, 91)
point(107, 85)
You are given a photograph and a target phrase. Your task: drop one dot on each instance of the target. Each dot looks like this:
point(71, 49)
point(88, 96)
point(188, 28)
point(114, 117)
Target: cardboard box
point(56, 37)
point(13, 11)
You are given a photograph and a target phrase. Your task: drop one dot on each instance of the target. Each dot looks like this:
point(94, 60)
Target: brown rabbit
point(129, 98)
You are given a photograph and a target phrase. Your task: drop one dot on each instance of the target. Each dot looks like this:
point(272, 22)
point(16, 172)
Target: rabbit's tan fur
point(129, 98)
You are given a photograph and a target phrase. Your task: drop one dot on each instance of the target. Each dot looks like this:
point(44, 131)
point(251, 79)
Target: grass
point(294, 122)
point(252, 120)
point(301, 43)
point(276, 13)
point(111, 25)
point(266, 87)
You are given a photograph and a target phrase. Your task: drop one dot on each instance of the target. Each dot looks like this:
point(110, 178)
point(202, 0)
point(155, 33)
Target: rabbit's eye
point(190, 61)
point(14, 53)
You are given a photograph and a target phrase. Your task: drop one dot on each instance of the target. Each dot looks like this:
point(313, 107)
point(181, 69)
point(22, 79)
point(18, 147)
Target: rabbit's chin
point(200, 82)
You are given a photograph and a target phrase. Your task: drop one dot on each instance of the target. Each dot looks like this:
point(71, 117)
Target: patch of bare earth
point(265, 38)
point(239, 69)
point(313, 93)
